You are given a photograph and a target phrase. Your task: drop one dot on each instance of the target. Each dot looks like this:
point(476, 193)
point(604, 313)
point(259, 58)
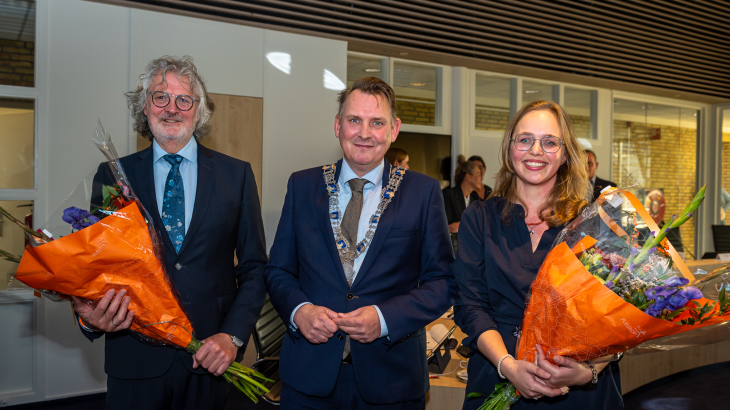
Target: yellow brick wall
point(726, 168)
point(16, 63)
point(491, 118)
point(668, 164)
point(419, 113)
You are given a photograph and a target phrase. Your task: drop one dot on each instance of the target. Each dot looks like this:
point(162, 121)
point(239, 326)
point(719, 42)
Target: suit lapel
point(145, 179)
point(206, 178)
point(381, 232)
point(322, 210)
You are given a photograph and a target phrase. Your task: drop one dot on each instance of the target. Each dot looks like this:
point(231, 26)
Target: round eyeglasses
point(183, 102)
point(548, 144)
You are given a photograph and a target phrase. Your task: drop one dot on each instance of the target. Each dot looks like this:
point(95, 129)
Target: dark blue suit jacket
point(406, 272)
point(218, 295)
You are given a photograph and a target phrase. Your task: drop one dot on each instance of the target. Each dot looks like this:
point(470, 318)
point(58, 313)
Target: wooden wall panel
point(237, 130)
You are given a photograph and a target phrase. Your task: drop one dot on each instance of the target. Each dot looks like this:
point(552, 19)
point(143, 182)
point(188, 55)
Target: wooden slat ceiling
point(674, 45)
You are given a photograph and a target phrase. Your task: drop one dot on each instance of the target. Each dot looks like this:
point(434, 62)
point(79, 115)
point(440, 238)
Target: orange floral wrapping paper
point(114, 253)
point(570, 313)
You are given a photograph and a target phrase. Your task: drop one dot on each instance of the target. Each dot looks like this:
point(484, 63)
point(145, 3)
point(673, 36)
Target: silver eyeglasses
point(524, 142)
point(183, 102)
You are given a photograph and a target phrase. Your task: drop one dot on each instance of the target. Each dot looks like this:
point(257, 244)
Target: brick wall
point(491, 118)
point(581, 125)
point(419, 113)
point(726, 168)
point(16, 62)
point(668, 164)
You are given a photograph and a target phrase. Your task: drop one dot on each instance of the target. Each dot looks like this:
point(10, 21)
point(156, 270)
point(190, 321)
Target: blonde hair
point(567, 198)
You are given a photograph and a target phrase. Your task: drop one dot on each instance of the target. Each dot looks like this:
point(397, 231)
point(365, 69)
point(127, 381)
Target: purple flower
point(653, 311)
point(653, 233)
point(651, 250)
point(78, 218)
point(693, 293)
point(609, 284)
point(676, 281)
point(634, 251)
point(677, 300)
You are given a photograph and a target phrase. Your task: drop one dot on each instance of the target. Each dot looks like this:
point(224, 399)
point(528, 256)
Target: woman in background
point(541, 186)
point(482, 192)
point(398, 157)
point(467, 178)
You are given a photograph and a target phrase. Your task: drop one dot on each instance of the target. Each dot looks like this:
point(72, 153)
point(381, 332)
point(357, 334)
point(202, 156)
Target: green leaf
point(675, 313)
point(474, 394)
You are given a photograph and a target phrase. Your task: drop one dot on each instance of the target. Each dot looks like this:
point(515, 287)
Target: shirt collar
point(375, 176)
point(189, 151)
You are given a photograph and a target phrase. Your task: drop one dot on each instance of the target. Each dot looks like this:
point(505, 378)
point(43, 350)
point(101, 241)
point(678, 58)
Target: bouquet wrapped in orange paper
point(121, 250)
point(612, 282)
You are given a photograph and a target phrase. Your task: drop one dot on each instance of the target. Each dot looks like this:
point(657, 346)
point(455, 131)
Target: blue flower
point(693, 293)
point(78, 218)
point(676, 281)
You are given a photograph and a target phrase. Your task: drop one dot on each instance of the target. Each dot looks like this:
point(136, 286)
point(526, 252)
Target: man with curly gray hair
point(205, 206)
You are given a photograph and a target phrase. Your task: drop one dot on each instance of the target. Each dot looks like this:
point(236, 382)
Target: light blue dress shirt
point(188, 171)
point(370, 201)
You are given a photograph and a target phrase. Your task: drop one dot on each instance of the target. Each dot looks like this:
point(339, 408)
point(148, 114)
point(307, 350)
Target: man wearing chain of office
point(360, 264)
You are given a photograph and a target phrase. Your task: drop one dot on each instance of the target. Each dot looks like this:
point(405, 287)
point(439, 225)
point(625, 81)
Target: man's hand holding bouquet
point(112, 268)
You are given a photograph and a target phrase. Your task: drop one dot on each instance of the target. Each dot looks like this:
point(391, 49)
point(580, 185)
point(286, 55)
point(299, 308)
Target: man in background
point(597, 183)
point(205, 206)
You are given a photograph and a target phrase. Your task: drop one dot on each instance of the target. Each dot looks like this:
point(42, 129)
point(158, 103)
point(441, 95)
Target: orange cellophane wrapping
point(571, 313)
point(114, 253)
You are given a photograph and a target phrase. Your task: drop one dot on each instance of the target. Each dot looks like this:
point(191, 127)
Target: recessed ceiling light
point(695, 114)
point(372, 70)
point(418, 84)
point(532, 91)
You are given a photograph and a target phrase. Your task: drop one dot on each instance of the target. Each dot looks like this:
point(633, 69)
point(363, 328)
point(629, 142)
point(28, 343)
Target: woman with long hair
point(541, 186)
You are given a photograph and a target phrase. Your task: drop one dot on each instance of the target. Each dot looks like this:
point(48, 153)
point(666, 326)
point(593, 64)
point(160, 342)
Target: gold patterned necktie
point(351, 219)
point(349, 231)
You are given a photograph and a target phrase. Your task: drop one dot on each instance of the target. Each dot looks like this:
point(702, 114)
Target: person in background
point(468, 177)
point(482, 192)
point(398, 157)
point(597, 183)
point(541, 186)
point(724, 205)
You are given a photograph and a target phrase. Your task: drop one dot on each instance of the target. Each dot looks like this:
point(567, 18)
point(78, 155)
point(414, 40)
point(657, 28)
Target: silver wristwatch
point(237, 342)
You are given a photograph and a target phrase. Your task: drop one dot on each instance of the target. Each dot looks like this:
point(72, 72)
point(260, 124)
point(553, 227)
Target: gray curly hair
point(181, 67)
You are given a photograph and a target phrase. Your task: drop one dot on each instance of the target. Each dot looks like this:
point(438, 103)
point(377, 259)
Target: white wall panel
point(17, 346)
point(228, 56)
point(299, 114)
point(88, 72)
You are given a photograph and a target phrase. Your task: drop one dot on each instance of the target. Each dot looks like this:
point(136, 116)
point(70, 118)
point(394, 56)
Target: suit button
point(178, 266)
point(350, 296)
point(340, 337)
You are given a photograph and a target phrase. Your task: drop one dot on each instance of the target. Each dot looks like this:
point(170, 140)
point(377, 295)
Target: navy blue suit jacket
point(218, 295)
point(406, 272)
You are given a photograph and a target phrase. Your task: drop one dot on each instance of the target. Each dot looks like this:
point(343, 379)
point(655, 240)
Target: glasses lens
point(550, 144)
point(184, 102)
point(160, 99)
point(523, 142)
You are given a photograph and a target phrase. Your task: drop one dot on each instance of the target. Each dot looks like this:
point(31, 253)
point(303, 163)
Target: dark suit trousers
point(177, 389)
point(345, 396)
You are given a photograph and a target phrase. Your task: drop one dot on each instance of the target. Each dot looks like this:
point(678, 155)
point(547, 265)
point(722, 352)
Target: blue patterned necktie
point(173, 202)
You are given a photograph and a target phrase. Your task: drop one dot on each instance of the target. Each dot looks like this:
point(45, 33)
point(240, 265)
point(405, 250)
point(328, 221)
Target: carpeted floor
point(700, 388)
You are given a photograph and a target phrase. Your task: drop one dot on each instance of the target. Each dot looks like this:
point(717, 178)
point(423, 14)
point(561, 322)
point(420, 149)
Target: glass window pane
point(492, 103)
point(17, 42)
point(359, 67)
point(12, 239)
point(16, 140)
point(415, 90)
point(532, 91)
point(577, 103)
point(658, 144)
point(726, 162)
